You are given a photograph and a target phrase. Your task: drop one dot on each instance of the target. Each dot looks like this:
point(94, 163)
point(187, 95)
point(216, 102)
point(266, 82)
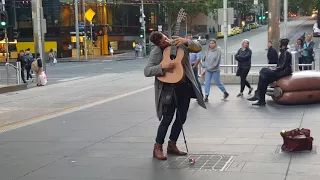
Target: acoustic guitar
point(175, 55)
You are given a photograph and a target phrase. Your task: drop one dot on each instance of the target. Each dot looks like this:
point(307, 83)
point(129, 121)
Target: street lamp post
point(85, 29)
point(225, 33)
point(285, 14)
point(143, 27)
point(77, 28)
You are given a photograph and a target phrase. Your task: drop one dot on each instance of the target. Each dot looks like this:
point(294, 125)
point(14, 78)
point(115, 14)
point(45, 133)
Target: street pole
point(143, 23)
point(6, 34)
point(77, 28)
point(85, 29)
point(186, 26)
point(274, 22)
point(285, 14)
point(225, 33)
point(39, 28)
point(91, 39)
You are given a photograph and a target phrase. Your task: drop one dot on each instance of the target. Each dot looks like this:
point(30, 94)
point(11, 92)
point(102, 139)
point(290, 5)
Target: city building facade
point(116, 22)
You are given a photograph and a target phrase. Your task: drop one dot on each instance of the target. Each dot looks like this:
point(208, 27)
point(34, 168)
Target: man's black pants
point(263, 85)
point(183, 93)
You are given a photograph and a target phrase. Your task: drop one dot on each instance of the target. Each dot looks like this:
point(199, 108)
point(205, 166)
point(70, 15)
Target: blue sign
point(81, 26)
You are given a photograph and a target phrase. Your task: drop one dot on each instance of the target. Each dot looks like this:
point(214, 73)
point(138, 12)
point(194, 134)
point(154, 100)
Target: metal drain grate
point(313, 151)
point(205, 162)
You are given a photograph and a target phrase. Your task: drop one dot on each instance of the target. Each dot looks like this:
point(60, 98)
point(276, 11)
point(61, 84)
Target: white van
point(316, 30)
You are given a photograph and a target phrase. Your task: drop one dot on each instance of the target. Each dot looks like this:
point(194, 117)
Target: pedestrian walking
point(23, 65)
point(308, 53)
point(299, 50)
point(243, 57)
point(195, 59)
point(111, 51)
point(211, 64)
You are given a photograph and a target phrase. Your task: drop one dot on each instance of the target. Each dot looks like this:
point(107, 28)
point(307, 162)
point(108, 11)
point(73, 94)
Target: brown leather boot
point(158, 152)
point(173, 149)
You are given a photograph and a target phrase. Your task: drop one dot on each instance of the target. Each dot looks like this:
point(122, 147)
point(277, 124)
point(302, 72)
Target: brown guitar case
point(299, 88)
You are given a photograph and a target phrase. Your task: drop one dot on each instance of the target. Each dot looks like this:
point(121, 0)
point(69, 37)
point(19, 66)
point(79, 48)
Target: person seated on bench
point(270, 74)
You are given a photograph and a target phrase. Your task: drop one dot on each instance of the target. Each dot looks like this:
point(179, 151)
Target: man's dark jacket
point(272, 56)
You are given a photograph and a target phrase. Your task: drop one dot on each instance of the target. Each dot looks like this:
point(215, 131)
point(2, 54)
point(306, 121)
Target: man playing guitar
point(185, 89)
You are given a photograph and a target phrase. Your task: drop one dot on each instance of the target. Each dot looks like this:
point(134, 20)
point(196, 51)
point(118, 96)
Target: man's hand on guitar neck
point(177, 41)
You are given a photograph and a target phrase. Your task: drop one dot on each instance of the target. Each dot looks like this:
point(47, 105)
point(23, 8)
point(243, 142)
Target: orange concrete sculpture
point(300, 88)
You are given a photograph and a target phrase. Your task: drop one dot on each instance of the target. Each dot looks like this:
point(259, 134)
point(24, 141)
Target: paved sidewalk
point(114, 140)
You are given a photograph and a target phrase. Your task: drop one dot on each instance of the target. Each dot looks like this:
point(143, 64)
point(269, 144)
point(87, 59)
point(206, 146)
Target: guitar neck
point(177, 29)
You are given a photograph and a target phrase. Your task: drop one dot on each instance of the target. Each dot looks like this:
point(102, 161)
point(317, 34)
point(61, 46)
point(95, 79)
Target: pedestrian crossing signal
point(141, 33)
point(3, 19)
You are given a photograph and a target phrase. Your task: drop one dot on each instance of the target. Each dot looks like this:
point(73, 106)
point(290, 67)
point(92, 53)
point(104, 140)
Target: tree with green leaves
point(192, 8)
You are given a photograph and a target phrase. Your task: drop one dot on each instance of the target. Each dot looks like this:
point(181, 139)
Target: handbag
point(296, 140)
point(54, 61)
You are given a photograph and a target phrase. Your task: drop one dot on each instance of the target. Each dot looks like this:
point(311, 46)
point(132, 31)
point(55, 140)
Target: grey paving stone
point(220, 148)
point(285, 125)
point(123, 153)
point(302, 177)
point(305, 158)
point(259, 130)
point(265, 149)
point(233, 134)
point(152, 174)
point(76, 172)
point(272, 135)
point(304, 169)
point(265, 168)
point(256, 141)
point(263, 157)
point(237, 175)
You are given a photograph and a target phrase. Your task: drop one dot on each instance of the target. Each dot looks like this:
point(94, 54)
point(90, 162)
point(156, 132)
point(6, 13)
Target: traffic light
point(141, 33)
point(260, 17)
point(95, 37)
point(3, 19)
point(263, 17)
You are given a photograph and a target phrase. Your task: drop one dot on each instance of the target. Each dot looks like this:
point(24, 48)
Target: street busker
point(243, 57)
point(271, 74)
point(211, 63)
point(165, 102)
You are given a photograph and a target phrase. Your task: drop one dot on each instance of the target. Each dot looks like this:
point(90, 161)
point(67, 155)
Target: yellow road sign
point(90, 14)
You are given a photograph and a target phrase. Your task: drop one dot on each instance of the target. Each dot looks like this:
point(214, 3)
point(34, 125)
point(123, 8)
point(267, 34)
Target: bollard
point(313, 65)
point(18, 72)
point(233, 62)
point(294, 59)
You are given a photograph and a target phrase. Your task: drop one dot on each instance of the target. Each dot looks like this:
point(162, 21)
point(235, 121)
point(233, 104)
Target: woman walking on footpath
point(212, 66)
point(243, 57)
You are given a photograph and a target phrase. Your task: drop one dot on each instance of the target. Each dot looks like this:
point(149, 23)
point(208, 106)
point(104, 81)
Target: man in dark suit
point(272, 54)
point(271, 74)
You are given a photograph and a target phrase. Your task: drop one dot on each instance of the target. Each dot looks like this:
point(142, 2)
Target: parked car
point(316, 30)
point(247, 28)
point(253, 25)
point(220, 35)
point(201, 39)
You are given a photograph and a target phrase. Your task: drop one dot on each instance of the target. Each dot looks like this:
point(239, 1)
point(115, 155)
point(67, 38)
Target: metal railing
point(233, 64)
point(17, 69)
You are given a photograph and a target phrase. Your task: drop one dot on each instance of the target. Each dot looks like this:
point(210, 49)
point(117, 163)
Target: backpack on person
point(34, 66)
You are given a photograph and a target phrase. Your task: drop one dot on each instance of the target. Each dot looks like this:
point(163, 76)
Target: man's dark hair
point(155, 37)
point(270, 42)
